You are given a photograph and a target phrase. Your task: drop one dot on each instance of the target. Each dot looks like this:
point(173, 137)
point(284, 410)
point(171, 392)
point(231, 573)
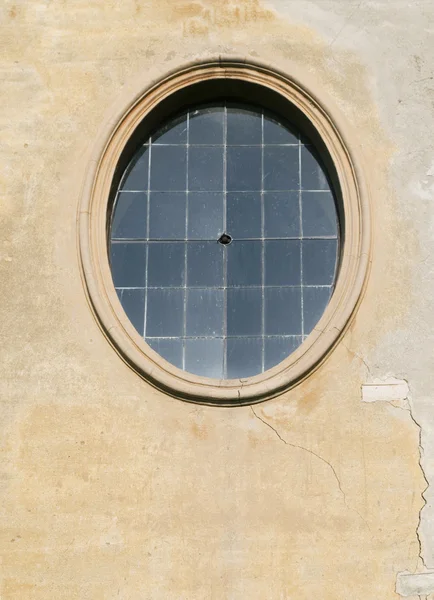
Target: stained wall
point(109, 488)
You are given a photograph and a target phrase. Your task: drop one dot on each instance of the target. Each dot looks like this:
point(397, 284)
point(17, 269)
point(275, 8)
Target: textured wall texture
point(108, 488)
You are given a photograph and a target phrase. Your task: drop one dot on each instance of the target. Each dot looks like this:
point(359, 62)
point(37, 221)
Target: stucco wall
point(110, 489)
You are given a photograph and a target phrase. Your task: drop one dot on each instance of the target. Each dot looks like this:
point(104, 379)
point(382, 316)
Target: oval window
point(224, 239)
point(224, 231)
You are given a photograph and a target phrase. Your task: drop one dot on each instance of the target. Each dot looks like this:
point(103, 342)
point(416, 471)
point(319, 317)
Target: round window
point(224, 239)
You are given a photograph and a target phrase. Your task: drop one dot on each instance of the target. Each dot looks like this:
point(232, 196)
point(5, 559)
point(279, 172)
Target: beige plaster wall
point(108, 488)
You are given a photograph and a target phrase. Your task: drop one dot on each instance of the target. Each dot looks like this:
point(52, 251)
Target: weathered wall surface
point(110, 489)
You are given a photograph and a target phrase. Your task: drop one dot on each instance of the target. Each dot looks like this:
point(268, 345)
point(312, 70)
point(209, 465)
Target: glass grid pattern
point(236, 310)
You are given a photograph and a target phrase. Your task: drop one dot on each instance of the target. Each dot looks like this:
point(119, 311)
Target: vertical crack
point(404, 402)
point(421, 451)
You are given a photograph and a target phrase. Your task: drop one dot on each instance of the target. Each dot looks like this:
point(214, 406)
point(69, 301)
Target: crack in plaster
point(421, 454)
point(309, 451)
point(347, 22)
point(408, 407)
point(356, 355)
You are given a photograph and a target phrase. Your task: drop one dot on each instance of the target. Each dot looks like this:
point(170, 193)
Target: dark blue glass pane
point(244, 126)
point(133, 303)
point(206, 125)
point(313, 176)
point(204, 357)
point(276, 133)
point(281, 168)
point(283, 311)
point(204, 264)
point(171, 350)
point(205, 312)
point(244, 357)
point(168, 168)
point(174, 132)
point(130, 215)
point(128, 264)
point(282, 262)
point(244, 311)
point(319, 261)
point(167, 215)
point(205, 215)
point(243, 169)
point(205, 168)
point(315, 301)
point(243, 214)
point(165, 313)
point(166, 263)
point(279, 348)
point(244, 263)
point(282, 214)
point(319, 214)
point(136, 174)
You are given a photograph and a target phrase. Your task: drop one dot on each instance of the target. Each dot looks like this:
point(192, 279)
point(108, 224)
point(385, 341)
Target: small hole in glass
point(225, 239)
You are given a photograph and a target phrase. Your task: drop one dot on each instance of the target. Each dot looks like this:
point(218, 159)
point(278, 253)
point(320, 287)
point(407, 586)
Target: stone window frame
point(150, 105)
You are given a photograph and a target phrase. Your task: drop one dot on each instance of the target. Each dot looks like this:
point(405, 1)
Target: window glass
point(224, 240)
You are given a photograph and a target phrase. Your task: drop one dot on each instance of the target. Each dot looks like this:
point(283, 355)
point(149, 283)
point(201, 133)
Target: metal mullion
point(220, 337)
point(189, 337)
point(185, 241)
point(262, 247)
point(300, 205)
point(225, 249)
point(258, 239)
point(148, 210)
point(237, 191)
point(222, 145)
point(222, 287)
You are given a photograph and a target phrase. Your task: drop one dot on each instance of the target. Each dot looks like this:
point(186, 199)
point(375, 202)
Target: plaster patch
point(415, 584)
point(388, 389)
